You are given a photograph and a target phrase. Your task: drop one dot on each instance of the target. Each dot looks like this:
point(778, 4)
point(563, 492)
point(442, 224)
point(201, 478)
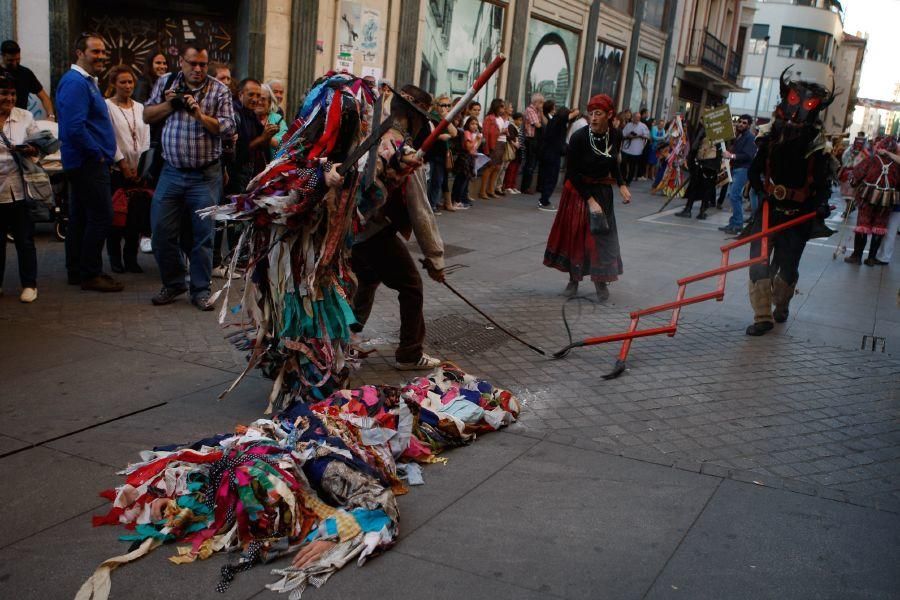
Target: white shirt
point(86, 74)
point(18, 126)
point(503, 125)
point(634, 146)
point(124, 122)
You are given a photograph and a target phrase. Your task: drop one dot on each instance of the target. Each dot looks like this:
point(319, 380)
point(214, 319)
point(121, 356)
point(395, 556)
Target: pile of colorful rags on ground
point(320, 479)
point(295, 309)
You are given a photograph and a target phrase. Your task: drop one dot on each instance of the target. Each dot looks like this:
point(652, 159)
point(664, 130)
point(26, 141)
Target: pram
point(52, 163)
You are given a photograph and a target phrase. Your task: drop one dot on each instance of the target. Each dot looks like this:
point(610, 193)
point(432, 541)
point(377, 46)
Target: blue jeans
point(181, 191)
point(738, 180)
point(436, 182)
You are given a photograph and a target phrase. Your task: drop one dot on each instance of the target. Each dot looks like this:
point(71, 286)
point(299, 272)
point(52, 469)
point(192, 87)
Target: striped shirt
point(186, 144)
point(532, 120)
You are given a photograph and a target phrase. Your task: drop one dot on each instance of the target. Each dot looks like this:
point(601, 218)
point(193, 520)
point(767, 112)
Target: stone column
point(61, 41)
point(590, 53)
point(632, 54)
point(256, 50)
point(302, 65)
point(407, 43)
point(7, 20)
point(667, 73)
point(516, 59)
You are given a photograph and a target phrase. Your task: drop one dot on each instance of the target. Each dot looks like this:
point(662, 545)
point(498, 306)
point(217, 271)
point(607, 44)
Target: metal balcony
point(711, 58)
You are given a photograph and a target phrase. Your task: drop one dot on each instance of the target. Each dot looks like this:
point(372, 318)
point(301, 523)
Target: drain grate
point(873, 342)
point(452, 332)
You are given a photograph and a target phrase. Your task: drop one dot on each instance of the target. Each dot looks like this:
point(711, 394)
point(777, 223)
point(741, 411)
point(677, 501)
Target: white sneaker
point(146, 245)
point(28, 295)
point(425, 362)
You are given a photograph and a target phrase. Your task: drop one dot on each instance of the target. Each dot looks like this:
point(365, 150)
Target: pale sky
point(878, 18)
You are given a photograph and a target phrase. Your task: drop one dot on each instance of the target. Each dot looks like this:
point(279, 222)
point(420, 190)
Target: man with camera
point(196, 113)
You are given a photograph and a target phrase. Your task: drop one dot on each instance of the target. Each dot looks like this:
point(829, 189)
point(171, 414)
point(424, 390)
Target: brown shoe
point(102, 283)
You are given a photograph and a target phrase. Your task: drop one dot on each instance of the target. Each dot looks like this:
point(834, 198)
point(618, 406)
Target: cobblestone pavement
point(784, 412)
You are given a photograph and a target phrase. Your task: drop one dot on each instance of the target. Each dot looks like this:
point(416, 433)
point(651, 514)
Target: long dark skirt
point(572, 249)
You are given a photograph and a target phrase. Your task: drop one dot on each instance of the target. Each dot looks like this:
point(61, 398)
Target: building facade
point(848, 63)
point(662, 55)
point(803, 36)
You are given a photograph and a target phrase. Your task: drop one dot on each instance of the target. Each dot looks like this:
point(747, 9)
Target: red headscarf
point(601, 102)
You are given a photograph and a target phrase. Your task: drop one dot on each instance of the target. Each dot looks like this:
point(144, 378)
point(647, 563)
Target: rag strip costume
point(330, 471)
point(790, 172)
point(592, 168)
point(877, 183)
point(296, 306)
point(853, 156)
point(672, 181)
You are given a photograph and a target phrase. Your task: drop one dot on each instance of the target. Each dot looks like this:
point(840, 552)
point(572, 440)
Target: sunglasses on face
point(444, 105)
point(195, 63)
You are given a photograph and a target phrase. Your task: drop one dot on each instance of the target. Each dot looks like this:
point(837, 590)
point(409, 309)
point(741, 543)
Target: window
point(607, 70)
point(655, 13)
point(758, 35)
point(623, 6)
point(805, 43)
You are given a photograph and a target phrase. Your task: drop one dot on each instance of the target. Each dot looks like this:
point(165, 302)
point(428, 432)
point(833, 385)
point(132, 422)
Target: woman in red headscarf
point(877, 183)
point(592, 168)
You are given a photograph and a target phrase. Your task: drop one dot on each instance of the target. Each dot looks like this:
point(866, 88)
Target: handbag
point(36, 185)
point(599, 224)
point(509, 152)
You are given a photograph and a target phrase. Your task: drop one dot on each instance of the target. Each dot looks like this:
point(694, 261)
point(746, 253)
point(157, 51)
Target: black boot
point(859, 244)
point(871, 261)
point(602, 291)
point(685, 213)
point(702, 215)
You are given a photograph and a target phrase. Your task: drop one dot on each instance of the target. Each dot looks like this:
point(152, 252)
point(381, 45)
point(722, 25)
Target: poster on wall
point(462, 37)
point(607, 71)
point(359, 31)
point(643, 88)
point(551, 56)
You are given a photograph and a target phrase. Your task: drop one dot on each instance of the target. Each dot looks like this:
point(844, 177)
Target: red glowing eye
point(811, 103)
point(793, 97)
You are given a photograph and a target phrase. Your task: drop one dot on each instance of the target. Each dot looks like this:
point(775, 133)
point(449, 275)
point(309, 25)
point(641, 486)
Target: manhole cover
point(452, 332)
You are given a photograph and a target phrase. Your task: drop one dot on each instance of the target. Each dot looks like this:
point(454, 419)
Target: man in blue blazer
point(88, 150)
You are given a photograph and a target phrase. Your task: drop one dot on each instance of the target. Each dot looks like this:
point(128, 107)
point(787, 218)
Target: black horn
point(785, 81)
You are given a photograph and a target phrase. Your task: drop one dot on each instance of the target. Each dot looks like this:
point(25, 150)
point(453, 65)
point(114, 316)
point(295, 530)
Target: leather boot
point(859, 244)
point(782, 293)
point(602, 291)
point(761, 301)
point(571, 289)
point(871, 261)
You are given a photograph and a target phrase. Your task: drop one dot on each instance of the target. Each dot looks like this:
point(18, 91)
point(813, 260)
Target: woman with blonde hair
point(438, 157)
point(267, 111)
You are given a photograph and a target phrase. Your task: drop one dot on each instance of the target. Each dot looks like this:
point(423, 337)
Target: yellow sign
point(718, 125)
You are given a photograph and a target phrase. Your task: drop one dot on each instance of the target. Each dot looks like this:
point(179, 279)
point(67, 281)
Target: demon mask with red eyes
point(801, 104)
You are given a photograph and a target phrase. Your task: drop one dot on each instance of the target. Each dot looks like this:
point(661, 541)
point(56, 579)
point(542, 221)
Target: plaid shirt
point(186, 144)
point(532, 118)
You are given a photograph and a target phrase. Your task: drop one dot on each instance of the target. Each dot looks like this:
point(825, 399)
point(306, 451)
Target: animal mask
point(801, 101)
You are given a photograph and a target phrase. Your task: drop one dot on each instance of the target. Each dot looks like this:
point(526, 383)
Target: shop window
point(607, 70)
point(623, 6)
point(805, 43)
point(655, 13)
point(551, 56)
point(461, 38)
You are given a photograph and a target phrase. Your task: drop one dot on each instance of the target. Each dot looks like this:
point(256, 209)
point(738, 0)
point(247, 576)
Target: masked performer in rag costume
point(672, 180)
point(855, 154)
point(584, 239)
point(296, 306)
point(877, 183)
point(395, 201)
point(790, 172)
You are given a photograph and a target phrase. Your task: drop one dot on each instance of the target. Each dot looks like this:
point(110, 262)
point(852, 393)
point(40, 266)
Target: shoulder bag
point(36, 185)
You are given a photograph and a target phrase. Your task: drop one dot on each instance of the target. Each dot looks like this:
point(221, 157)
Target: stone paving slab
point(738, 550)
point(43, 487)
point(567, 524)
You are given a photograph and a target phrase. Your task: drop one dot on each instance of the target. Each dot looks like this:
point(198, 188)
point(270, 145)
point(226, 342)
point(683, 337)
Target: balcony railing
point(713, 56)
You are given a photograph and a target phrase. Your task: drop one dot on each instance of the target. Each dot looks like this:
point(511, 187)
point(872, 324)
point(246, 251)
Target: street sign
point(718, 125)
